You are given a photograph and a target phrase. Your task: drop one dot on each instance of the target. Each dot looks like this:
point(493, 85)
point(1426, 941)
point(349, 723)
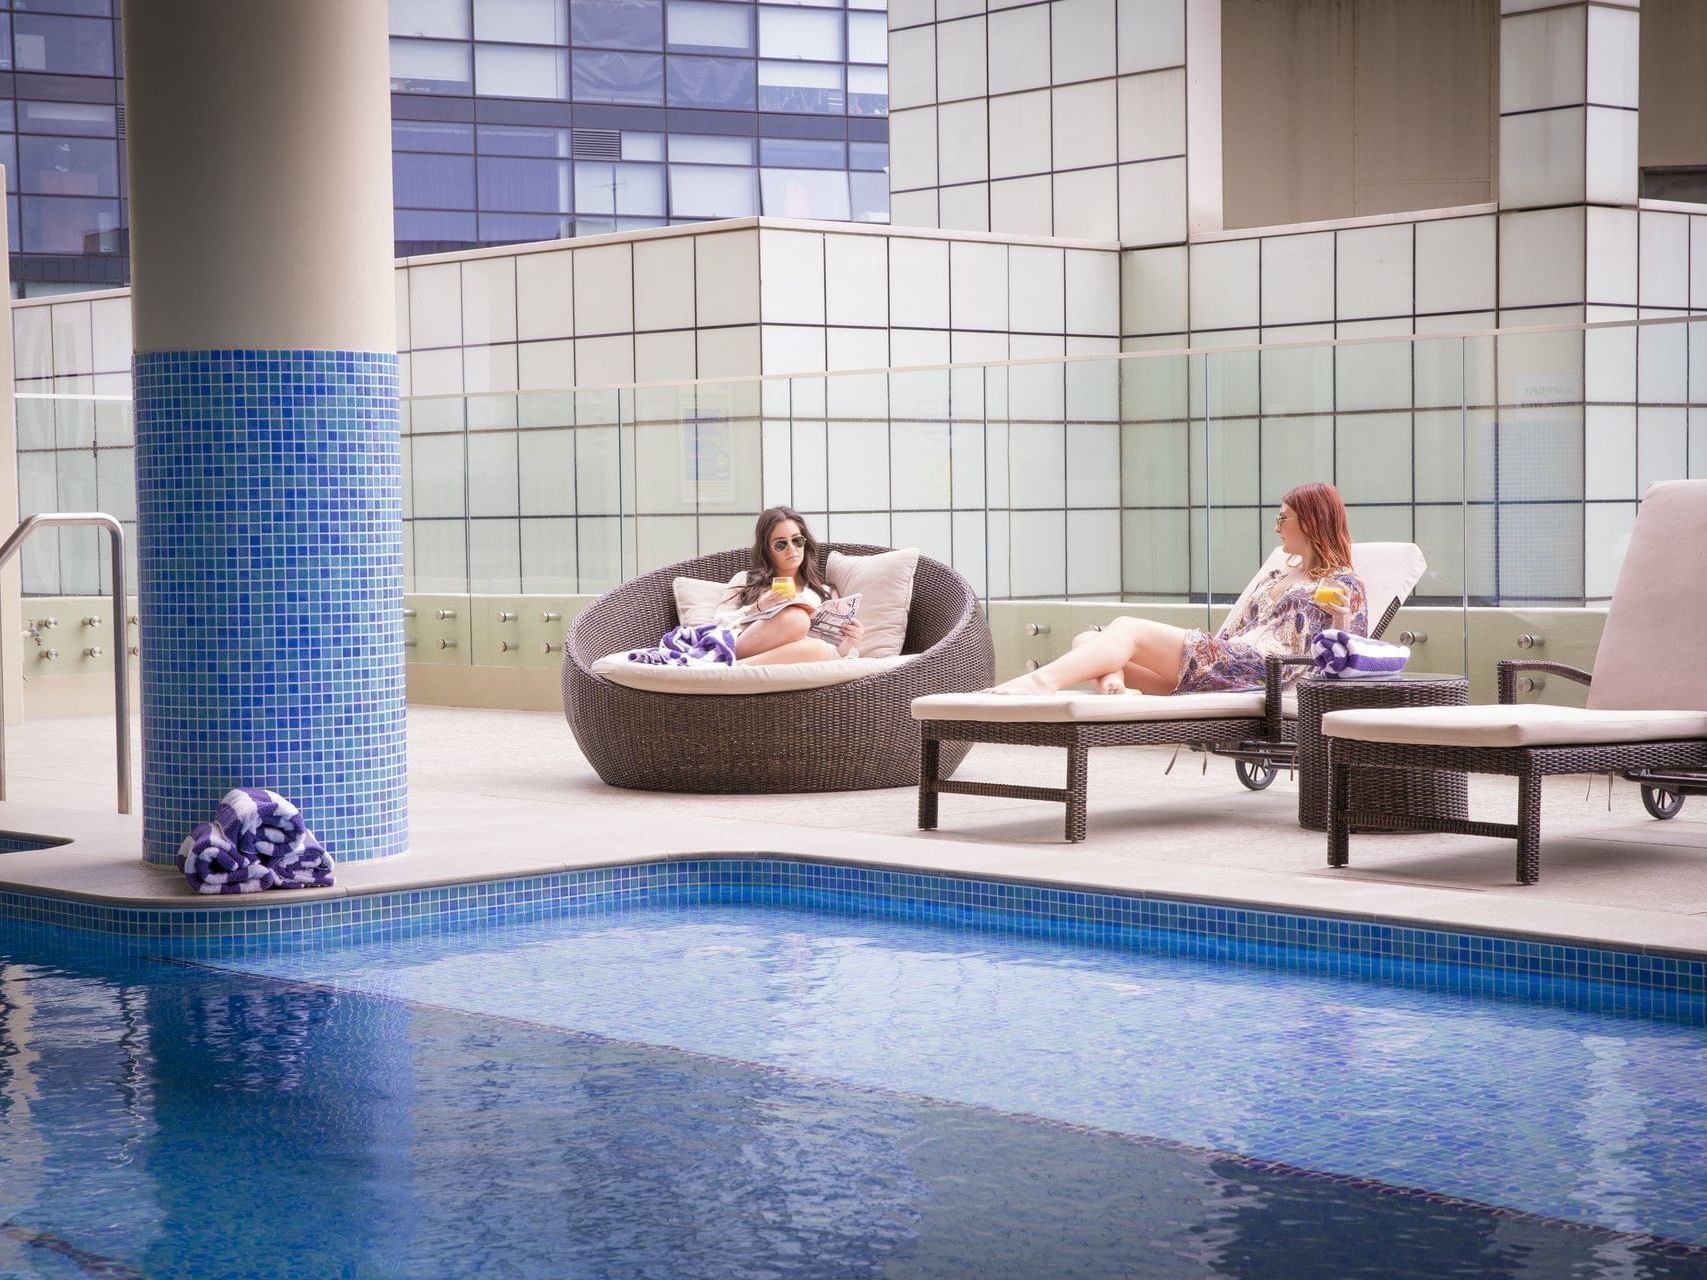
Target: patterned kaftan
point(1269, 618)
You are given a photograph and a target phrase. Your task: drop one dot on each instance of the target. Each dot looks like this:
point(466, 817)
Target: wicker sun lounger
point(1647, 698)
point(839, 737)
point(1253, 725)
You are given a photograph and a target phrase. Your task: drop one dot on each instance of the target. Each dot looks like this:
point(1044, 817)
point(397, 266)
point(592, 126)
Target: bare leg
point(1112, 683)
point(1147, 681)
point(1153, 646)
point(772, 633)
point(806, 649)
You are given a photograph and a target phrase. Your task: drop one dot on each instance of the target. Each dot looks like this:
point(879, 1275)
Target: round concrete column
point(267, 464)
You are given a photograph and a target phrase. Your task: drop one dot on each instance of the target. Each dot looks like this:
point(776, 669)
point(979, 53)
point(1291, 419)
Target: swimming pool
point(796, 1090)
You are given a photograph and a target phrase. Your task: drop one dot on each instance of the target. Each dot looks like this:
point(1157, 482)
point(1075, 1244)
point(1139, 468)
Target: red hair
point(1321, 519)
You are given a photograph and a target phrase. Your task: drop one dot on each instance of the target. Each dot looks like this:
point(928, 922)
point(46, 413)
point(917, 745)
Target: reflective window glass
point(805, 193)
point(800, 33)
point(505, 71)
point(5, 45)
point(870, 193)
point(813, 87)
point(803, 153)
point(635, 190)
point(446, 19)
point(426, 66)
point(711, 82)
point(700, 149)
point(67, 46)
point(432, 181)
point(523, 140)
point(617, 24)
point(699, 26)
point(868, 155)
point(9, 157)
point(431, 230)
point(868, 91)
point(642, 146)
point(84, 118)
point(879, 5)
point(522, 21)
point(524, 228)
point(68, 166)
point(619, 77)
point(533, 186)
point(89, 8)
point(707, 191)
point(431, 135)
point(54, 224)
point(8, 111)
point(868, 38)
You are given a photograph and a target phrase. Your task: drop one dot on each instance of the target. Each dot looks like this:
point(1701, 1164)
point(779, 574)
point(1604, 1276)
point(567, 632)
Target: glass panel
point(524, 228)
point(711, 82)
point(868, 155)
point(505, 71)
point(800, 33)
point(432, 135)
point(422, 66)
point(87, 8)
point(635, 190)
point(539, 186)
point(800, 87)
point(805, 193)
point(618, 24)
point(696, 26)
point(700, 149)
point(619, 77)
point(432, 232)
point(445, 19)
point(642, 146)
point(83, 118)
point(698, 191)
point(55, 225)
point(66, 46)
point(521, 21)
point(869, 194)
point(868, 91)
point(433, 181)
point(802, 153)
point(868, 38)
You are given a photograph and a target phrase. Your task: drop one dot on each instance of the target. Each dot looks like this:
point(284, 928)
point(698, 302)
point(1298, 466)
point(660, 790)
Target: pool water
point(749, 1091)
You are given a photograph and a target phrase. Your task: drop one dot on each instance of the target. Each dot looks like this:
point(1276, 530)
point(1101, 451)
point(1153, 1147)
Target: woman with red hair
point(1279, 613)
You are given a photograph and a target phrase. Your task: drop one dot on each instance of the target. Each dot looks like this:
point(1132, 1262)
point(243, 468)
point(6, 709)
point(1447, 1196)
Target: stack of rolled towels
point(257, 840)
point(1341, 655)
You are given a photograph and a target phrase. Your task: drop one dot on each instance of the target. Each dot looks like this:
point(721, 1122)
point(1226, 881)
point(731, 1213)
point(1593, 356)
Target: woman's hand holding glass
point(1334, 600)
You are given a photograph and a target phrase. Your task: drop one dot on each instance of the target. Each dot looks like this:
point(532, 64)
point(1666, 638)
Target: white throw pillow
point(885, 583)
point(697, 601)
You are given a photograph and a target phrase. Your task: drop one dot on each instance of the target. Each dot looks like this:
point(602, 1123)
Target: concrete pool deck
point(496, 794)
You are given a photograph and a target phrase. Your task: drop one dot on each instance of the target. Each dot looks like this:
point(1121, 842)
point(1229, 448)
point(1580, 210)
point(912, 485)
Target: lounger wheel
point(1661, 803)
point(1257, 775)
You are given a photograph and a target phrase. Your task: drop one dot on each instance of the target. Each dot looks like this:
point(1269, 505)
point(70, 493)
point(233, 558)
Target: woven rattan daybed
point(1647, 698)
point(841, 737)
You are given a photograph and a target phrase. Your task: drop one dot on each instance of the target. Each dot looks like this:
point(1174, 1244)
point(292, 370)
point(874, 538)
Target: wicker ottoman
point(1419, 792)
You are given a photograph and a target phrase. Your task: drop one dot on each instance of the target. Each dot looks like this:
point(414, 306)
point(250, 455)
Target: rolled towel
point(1341, 655)
point(213, 864)
point(305, 865)
point(259, 822)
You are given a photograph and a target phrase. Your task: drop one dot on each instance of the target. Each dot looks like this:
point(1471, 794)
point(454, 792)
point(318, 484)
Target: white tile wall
point(791, 277)
point(1224, 284)
point(960, 60)
point(1020, 137)
point(545, 296)
point(1455, 264)
point(912, 68)
point(963, 147)
point(1664, 260)
point(604, 290)
point(1298, 278)
point(912, 161)
point(1086, 205)
point(1019, 49)
point(1153, 286)
point(1151, 115)
point(1153, 202)
point(1150, 34)
point(1373, 272)
point(1082, 40)
point(663, 283)
point(1036, 289)
point(1542, 59)
point(489, 300)
point(1085, 124)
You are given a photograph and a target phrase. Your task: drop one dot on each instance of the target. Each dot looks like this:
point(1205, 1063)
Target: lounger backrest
point(1651, 652)
point(1390, 572)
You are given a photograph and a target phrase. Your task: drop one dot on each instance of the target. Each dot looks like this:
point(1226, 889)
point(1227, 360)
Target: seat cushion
point(1530, 725)
point(884, 583)
point(698, 601)
point(1056, 708)
point(741, 678)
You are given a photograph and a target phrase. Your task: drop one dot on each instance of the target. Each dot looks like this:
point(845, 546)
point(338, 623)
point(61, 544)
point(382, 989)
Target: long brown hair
point(760, 569)
point(1321, 519)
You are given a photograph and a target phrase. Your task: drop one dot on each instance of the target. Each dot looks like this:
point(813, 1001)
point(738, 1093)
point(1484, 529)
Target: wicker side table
point(1442, 795)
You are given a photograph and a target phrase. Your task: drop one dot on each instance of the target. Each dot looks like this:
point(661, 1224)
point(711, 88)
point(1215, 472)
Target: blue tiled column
point(271, 573)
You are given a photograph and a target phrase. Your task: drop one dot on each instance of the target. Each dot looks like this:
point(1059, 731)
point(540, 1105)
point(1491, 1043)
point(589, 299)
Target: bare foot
point(1028, 683)
point(1113, 682)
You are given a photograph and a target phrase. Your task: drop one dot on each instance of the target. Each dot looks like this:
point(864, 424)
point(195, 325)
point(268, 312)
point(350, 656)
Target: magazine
point(830, 623)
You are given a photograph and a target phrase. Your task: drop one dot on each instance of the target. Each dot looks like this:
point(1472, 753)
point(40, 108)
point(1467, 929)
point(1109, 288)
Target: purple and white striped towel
point(305, 865)
point(1341, 655)
point(705, 644)
point(259, 822)
point(213, 864)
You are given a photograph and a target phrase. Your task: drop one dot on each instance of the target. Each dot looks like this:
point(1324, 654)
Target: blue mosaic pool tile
point(1652, 981)
point(270, 562)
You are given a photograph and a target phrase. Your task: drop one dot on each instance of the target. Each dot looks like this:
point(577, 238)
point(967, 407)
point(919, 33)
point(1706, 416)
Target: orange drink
point(783, 586)
point(1330, 595)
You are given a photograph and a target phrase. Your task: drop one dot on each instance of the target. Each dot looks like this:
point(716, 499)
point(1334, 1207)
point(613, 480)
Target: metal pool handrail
point(121, 655)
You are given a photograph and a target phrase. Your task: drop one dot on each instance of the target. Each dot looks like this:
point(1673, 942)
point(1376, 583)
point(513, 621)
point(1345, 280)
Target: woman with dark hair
point(1279, 613)
point(771, 625)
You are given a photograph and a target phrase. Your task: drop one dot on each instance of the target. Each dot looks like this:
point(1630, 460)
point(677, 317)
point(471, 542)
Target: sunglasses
point(779, 545)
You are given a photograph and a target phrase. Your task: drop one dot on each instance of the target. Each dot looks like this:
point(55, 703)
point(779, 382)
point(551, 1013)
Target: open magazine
point(830, 623)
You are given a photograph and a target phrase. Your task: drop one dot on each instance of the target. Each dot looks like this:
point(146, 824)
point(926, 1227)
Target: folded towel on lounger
point(704, 644)
point(259, 822)
point(1341, 655)
point(212, 863)
point(305, 865)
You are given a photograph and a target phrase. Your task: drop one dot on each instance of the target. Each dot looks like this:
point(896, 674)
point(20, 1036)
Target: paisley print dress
point(1274, 615)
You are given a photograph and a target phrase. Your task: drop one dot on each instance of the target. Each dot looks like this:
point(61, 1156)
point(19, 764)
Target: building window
point(628, 190)
point(618, 24)
point(521, 21)
point(531, 186)
point(805, 193)
point(68, 166)
point(709, 191)
point(507, 71)
point(65, 46)
point(712, 82)
point(697, 149)
point(441, 19)
point(619, 77)
point(54, 224)
point(426, 66)
point(813, 34)
point(697, 26)
point(432, 181)
point(804, 87)
point(868, 91)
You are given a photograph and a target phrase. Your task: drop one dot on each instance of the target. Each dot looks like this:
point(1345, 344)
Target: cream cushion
point(1528, 725)
point(885, 583)
point(1058, 708)
point(697, 601)
point(780, 678)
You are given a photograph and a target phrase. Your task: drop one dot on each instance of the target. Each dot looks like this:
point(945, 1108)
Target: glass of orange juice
point(782, 586)
point(1329, 594)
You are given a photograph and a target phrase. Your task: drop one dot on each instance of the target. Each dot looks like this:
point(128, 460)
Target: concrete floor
point(496, 793)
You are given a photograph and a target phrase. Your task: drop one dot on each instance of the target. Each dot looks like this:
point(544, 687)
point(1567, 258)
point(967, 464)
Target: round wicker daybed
point(842, 737)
